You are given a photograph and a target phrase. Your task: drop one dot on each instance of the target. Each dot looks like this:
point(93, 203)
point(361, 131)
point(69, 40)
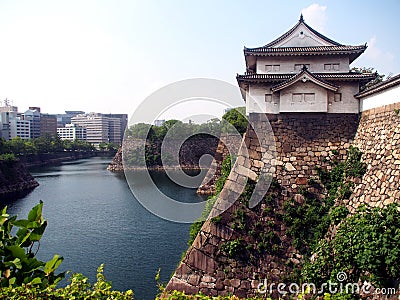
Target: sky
point(108, 56)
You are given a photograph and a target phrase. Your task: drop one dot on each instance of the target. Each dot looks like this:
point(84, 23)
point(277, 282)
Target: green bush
point(78, 288)
point(18, 263)
point(234, 248)
point(309, 222)
point(23, 276)
point(366, 247)
point(237, 118)
point(8, 157)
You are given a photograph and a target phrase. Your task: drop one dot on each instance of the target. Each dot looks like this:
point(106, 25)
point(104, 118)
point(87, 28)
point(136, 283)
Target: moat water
point(93, 218)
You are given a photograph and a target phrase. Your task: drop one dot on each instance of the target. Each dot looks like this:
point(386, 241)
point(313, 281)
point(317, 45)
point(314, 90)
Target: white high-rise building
point(99, 128)
point(12, 125)
point(72, 132)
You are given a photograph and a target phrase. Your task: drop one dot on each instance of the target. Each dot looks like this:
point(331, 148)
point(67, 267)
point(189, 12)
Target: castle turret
point(302, 71)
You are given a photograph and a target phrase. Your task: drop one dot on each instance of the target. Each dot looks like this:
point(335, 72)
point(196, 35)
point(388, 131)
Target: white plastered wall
point(385, 97)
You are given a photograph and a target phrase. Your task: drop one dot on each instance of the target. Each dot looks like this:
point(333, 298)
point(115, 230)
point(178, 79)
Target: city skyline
point(102, 56)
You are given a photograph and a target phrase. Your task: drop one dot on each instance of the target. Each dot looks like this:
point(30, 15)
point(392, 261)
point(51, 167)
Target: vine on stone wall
point(309, 221)
point(219, 184)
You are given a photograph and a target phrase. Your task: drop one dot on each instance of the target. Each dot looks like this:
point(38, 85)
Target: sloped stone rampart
point(303, 141)
point(227, 142)
point(378, 138)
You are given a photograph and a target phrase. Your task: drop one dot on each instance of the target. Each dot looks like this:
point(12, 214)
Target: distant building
point(63, 119)
point(33, 116)
point(34, 108)
point(8, 108)
point(12, 125)
point(124, 123)
point(72, 132)
point(99, 128)
point(48, 125)
point(159, 122)
point(20, 127)
point(114, 131)
point(4, 125)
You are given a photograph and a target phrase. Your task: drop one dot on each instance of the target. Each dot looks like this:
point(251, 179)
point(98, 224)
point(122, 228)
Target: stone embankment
point(302, 142)
point(227, 143)
point(54, 158)
point(15, 180)
point(189, 156)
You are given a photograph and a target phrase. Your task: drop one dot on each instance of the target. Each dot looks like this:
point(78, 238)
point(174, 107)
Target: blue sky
point(107, 56)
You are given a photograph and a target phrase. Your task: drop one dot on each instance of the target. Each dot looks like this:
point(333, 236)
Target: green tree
point(4, 146)
point(370, 70)
point(103, 146)
point(138, 131)
point(17, 145)
point(237, 118)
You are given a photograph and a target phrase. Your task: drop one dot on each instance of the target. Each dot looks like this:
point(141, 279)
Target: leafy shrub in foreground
point(23, 276)
point(78, 288)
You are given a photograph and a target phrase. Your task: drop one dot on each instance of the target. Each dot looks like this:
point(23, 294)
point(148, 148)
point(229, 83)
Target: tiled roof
point(395, 80)
point(307, 76)
point(325, 76)
point(301, 21)
point(330, 48)
point(301, 50)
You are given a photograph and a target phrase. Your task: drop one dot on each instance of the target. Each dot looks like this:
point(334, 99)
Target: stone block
point(289, 167)
point(301, 180)
point(198, 260)
point(177, 284)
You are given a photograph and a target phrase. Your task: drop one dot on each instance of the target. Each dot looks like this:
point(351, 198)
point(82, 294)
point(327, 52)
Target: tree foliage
point(18, 263)
point(308, 223)
point(219, 184)
point(370, 70)
point(237, 118)
point(366, 247)
point(46, 144)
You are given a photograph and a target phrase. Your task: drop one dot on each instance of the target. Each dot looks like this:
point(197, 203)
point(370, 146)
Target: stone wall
point(378, 137)
point(303, 141)
point(35, 160)
point(15, 180)
point(189, 154)
point(225, 143)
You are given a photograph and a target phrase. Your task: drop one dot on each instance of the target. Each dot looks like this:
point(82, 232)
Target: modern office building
point(48, 125)
point(19, 127)
point(72, 132)
point(100, 128)
point(64, 119)
point(33, 116)
point(12, 125)
point(114, 131)
point(124, 123)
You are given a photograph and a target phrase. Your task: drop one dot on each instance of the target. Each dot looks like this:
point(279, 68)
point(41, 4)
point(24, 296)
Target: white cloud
point(374, 56)
point(315, 16)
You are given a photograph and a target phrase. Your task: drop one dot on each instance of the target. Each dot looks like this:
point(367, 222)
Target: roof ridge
point(379, 86)
point(307, 47)
point(301, 21)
